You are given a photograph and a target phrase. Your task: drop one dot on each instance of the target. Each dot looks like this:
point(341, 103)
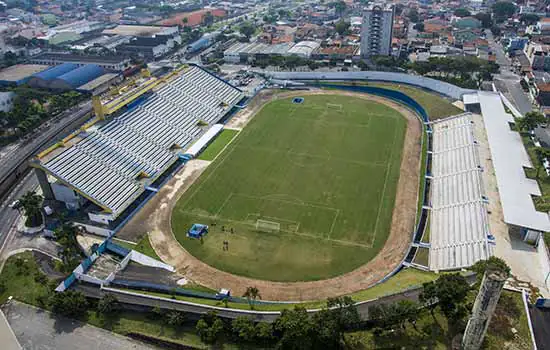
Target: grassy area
point(426, 235)
point(20, 279)
point(422, 180)
point(422, 256)
point(325, 174)
point(436, 106)
point(403, 280)
point(510, 313)
point(431, 334)
point(218, 144)
point(143, 246)
point(542, 203)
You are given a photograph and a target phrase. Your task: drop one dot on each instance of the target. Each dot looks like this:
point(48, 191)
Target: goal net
point(334, 106)
point(267, 226)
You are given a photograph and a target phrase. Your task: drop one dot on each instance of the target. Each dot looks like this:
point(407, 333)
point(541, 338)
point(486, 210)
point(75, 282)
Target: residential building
point(376, 32)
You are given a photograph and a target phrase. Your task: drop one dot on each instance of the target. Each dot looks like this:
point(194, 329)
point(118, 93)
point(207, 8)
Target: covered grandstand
point(459, 227)
point(510, 158)
point(114, 161)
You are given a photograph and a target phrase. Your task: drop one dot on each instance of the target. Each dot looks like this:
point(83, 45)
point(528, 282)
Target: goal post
point(334, 106)
point(267, 226)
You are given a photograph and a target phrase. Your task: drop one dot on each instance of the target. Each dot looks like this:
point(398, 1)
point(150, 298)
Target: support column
point(484, 307)
point(47, 191)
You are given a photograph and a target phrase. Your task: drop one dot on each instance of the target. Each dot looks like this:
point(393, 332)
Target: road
point(541, 326)
point(38, 329)
point(136, 298)
point(8, 216)
point(507, 81)
point(16, 156)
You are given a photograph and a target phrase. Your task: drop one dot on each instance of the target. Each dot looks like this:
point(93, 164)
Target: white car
point(15, 204)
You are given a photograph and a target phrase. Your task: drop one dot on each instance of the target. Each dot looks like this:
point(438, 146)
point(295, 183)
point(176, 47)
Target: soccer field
point(322, 173)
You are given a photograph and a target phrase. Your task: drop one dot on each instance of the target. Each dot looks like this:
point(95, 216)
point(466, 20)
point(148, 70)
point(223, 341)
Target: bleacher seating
point(458, 217)
point(106, 165)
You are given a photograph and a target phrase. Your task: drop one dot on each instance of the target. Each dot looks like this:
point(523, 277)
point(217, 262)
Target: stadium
point(315, 186)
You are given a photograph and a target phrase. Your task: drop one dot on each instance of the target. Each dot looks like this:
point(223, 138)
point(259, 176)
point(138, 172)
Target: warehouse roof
point(81, 75)
point(304, 48)
point(97, 82)
point(136, 30)
point(509, 158)
point(56, 71)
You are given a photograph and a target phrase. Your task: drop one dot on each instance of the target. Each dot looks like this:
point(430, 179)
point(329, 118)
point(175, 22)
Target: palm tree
point(30, 202)
point(251, 294)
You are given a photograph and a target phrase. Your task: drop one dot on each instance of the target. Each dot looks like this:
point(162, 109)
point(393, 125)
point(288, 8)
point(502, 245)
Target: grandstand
point(114, 161)
point(459, 226)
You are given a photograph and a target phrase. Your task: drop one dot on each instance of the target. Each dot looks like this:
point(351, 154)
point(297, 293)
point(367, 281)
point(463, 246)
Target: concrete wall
point(440, 87)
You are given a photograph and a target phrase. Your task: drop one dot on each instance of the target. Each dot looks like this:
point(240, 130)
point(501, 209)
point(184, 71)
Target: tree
point(208, 18)
point(493, 263)
point(31, 202)
point(339, 316)
point(462, 12)
point(529, 18)
point(419, 26)
point(485, 19)
point(342, 27)
point(176, 318)
point(503, 10)
point(251, 294)
point(70, 252)
point(496, 30)
point(542, 155)
point(108, 305)
point(264, 333)
point(413, 15)
point(247, 29)
point(451, 291)
point(69, 303)
point(209, 328)
point(185, 20)
point(296, 329)
point(340, 7)
point(243, 329)
point(531, 120)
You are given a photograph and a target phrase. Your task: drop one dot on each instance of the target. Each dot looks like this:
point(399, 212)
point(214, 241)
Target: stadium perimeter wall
point(438, 86)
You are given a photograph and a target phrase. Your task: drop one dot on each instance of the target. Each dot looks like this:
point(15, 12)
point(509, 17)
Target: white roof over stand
point(509, 157)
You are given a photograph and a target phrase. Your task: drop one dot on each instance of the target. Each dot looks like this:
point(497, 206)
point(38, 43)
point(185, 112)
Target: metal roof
point(56, 71)
point(81, 75)
point(113, 162)
point(509, 158)
point(458, 218)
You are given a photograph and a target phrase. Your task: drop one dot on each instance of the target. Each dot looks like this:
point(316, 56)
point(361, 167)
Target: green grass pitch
point(325, 170)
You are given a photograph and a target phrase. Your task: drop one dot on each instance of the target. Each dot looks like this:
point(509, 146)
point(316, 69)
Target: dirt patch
point(146, 220)
point(155, 218)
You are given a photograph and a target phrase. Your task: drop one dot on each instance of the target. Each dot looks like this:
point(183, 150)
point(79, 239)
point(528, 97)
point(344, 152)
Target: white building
point(6, 101)
point(376, 32)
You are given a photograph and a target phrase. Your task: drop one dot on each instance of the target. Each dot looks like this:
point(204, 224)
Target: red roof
point(193, 18)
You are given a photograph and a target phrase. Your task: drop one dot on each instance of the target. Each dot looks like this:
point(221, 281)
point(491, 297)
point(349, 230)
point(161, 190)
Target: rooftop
point(21, 71)
point(509, 158)
point(137, 30)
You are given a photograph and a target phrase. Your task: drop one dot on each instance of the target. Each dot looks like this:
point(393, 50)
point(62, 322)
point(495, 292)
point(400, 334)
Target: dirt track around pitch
point(155, 218)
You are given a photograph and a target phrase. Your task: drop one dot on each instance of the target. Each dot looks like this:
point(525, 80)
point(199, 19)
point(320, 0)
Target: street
point(39, 329)
point(507, 81)
point(9, 216)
